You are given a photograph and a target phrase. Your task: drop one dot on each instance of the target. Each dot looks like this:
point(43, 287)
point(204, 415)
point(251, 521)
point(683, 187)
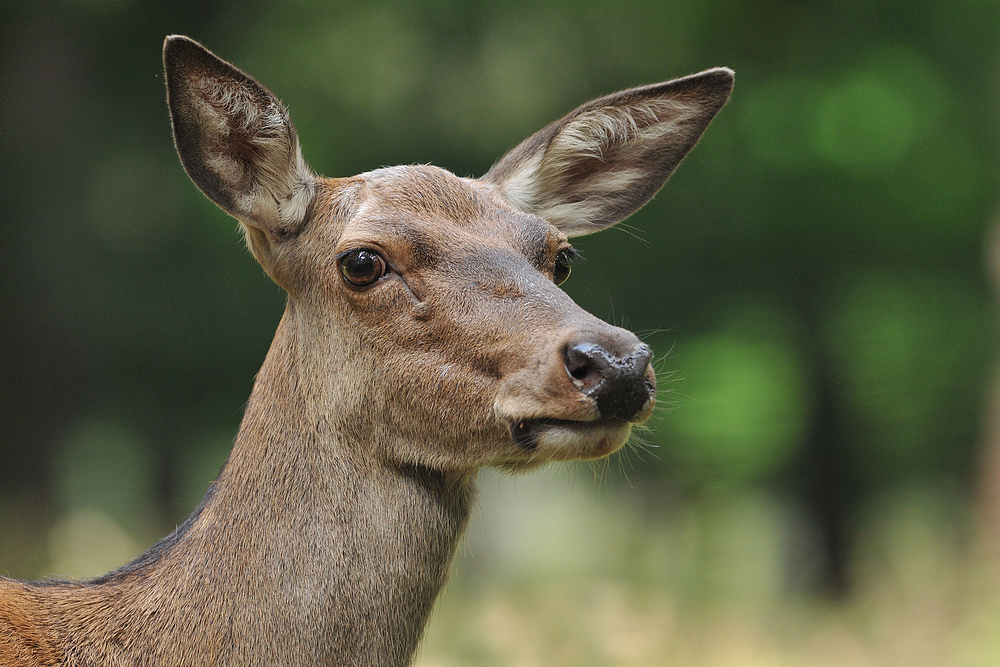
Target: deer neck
point(360, 547)
point(311, 553)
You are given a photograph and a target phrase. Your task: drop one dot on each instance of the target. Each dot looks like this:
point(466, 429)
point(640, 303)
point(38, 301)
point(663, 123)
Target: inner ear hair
point(600, 163)
point(236, 140)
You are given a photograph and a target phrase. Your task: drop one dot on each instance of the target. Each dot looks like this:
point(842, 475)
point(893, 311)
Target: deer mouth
point(565, 439)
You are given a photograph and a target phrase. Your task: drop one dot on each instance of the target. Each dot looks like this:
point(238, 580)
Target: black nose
point(617, 383)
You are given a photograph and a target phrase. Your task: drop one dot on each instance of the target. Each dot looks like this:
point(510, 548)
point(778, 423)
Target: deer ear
point(603, 161)
point(236, 141)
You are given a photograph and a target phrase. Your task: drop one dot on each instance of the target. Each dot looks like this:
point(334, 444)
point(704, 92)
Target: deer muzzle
point(581, 396)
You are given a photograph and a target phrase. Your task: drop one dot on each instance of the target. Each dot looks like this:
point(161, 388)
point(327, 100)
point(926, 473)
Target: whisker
point(632, 231)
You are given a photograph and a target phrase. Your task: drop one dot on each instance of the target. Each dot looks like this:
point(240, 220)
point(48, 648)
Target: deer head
point(425, 323)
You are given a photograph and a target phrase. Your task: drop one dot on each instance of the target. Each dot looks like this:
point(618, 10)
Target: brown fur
point(25, 640)
point(329, 532)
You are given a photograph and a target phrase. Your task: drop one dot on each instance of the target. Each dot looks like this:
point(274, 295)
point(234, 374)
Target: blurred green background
point(822, 486)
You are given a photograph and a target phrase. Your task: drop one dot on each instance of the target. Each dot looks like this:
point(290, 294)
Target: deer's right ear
point(236, 141)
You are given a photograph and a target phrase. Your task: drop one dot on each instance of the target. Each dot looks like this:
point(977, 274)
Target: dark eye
point(361, 267)
point(561, 271)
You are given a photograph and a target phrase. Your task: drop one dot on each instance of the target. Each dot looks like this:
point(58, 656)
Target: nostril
point(584, 364)
point(641, 359)
point(578, 371)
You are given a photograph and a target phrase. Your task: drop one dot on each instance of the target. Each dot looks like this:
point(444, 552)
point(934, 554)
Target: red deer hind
point(425, 337)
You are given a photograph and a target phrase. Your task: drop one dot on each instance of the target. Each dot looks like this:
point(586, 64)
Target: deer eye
point(361, 267)
point(562, 268)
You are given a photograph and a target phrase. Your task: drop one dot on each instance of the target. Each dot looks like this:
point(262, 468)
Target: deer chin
point(580, 435)
point(548, 439)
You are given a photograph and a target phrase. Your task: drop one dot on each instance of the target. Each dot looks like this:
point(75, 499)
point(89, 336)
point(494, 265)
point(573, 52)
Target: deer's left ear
point(603, 161)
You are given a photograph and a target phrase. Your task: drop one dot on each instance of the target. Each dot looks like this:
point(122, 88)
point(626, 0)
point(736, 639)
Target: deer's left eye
point(562, 268)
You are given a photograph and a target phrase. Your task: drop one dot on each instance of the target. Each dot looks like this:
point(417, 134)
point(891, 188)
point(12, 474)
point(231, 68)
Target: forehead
point(429, 206)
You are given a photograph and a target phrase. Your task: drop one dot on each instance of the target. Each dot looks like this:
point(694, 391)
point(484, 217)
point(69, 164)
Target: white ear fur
point(276, 185)
point(607, 158)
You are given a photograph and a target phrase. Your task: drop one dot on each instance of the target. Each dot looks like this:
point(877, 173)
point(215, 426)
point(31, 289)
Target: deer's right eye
point(361, 267)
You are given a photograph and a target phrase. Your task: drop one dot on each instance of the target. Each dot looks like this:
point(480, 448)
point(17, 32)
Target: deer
point(425, 337)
